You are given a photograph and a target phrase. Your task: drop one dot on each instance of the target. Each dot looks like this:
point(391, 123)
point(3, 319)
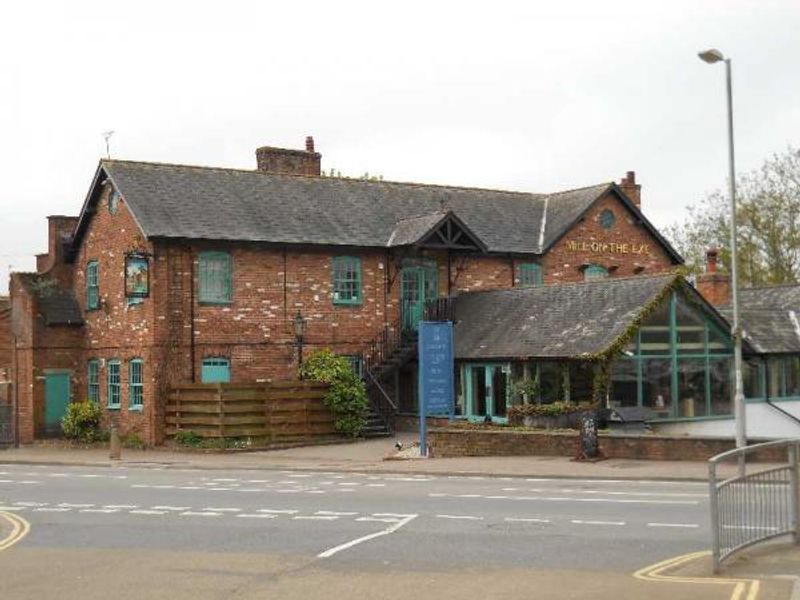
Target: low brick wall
point(514, 442)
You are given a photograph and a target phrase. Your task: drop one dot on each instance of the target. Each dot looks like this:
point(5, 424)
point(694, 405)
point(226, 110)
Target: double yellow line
point(654, 573)
point(19, 529)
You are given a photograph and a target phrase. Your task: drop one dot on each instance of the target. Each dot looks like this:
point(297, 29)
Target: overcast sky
point(534, 96)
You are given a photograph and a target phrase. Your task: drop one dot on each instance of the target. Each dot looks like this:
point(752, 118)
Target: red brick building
point(177, 273)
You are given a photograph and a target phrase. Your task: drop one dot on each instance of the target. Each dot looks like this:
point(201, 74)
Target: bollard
point(115, 451)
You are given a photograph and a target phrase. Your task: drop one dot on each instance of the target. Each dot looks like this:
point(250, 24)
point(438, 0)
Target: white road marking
point(259, 516)
point(278, 511)
point(6, 481)
point(377, 519)
point(391, 529)
point(348, 483)
point(163, 487)
point(224, 479)
point(140, 485)
point(315, 518)
point(51, 474)
point(437, 495)
point(89, 476)
point(13, 508)
point(510, 489)
point(614, 493)
point(497, 497)
point(175, 508)
point(30, 503)
point(398, 515)
point(581, 522)
point(461, 517)
point(223, 509)
point(525, 520)
point(288, 491)
point(470, 495)
point(220, 489)
point(687, 525)
point(99, 510)
point(51, 509)
point(569, 499)
point(335, 513)
point(345, 490)
point(189, 487)
point(130, 506)
point(257, 480)
point(191, 513)
point(29, 482)
point(376, 485)
point(315, 492)
point(300, 475)
point(147, 512)
point(68, 505)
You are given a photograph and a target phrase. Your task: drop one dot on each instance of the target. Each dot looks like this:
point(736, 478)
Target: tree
point(768, 224)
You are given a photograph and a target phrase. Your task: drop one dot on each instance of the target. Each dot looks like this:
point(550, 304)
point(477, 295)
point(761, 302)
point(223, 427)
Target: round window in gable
point(607, 219)
point(113, 201)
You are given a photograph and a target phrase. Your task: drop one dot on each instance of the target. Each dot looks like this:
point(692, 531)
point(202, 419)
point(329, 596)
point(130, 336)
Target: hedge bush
point(347, 395)
point(82, 422)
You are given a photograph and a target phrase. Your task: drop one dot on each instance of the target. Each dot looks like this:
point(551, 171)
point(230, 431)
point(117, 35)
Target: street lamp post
point(713, 56)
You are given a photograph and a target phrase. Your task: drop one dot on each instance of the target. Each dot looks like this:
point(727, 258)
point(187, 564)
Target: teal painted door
point(417, 286)
point(215, 370)
point(487, 388)
point(56, 398)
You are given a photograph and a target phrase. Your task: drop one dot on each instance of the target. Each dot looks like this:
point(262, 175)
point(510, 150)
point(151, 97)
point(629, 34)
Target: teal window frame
point(594, 272)
point(211, 362)
point(114, 384)
point(346, 277)
point(215, 277)
point(672, 354)
point(783, 393)
point(357, 363)
point(93, 380)
point(469, 398)
point(92, 285)
point(529, 274)
point(136, 384)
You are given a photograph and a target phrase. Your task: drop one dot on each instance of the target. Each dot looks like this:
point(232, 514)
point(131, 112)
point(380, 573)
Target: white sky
point(534, 96)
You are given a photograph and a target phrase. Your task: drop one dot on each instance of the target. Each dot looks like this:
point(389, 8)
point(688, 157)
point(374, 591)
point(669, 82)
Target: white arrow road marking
point(391, 529)
point(315, 518)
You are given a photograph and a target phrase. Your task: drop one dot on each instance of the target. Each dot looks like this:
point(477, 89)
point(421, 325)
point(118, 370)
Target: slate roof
point(56, 306)
point(412, 229)
point(770, 318)
point(178, 201)
point(552, 321)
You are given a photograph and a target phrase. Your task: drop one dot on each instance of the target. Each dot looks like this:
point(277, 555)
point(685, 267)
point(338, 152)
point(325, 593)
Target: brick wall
point(5, 336)
point(626, 249)
point(446, 443)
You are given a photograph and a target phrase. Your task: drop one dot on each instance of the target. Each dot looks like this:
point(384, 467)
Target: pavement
point(368, 456)
point(613, 529)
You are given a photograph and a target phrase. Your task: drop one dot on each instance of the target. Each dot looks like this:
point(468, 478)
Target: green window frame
point(593, 272)
point(135, 383)
point(529, 274)
point(93, 380)
point(346, 273)
point(114, 385)
point(215, 280)
point(215, 369)
point(92, 285)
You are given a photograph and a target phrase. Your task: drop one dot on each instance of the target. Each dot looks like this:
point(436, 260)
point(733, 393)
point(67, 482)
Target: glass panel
point(215, 370)
point(113, 384)
point(459, 406)
point(408, 390)
point(215, 277)
point(347, 279)
point(774, 377)
point(581, 381)
point(719, 342)
point(94, 381)
point(92, 286)
point(691, 328)
point(751, 379)
point(530, 274)
point(478, 383)
point(550, 382)
point(791, 370)
point(624, 383)
point(654, 335)
point(499, 391)
point(720, 378)
point(692, 387)
point(656, 386)
point(594, 272)
point(136, 397)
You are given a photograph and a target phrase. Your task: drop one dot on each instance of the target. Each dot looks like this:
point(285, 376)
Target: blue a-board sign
point(436, 386)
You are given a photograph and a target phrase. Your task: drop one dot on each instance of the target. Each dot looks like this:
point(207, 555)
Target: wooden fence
point(279, 411)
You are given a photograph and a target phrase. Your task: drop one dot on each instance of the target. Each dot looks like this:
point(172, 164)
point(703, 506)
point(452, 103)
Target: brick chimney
point(713, 285)
point(290, 162)
point(632, 189)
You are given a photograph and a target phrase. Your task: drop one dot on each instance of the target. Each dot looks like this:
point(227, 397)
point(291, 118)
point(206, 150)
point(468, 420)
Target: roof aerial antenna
point(106, 136)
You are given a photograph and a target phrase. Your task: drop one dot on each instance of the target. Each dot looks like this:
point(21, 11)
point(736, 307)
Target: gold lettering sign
point(607, 247)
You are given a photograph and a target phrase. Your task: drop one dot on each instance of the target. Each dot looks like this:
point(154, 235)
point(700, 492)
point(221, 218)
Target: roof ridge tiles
point(536, 195)
point(604, 184)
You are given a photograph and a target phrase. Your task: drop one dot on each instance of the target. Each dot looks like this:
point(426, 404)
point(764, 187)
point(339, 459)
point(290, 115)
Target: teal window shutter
point(215, 370)
point(93, 381)
point(595, 272)
point(346, 280)
point(215, 278)
point(135, 383)
point(113, 384)
point(530, 274)
point(92, 285)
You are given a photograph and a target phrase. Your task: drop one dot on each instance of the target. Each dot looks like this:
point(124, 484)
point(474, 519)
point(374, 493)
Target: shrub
point(187, 437)
point(346, 397)
point(82, 422)
point(568, 410)
point(133, 440)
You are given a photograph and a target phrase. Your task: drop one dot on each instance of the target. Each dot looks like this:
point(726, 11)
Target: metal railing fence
point(756, 506)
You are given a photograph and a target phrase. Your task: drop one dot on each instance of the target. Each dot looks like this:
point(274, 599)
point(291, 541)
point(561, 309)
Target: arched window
point(594, 272)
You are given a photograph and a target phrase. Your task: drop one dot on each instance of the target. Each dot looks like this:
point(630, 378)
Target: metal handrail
point(751, 508)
